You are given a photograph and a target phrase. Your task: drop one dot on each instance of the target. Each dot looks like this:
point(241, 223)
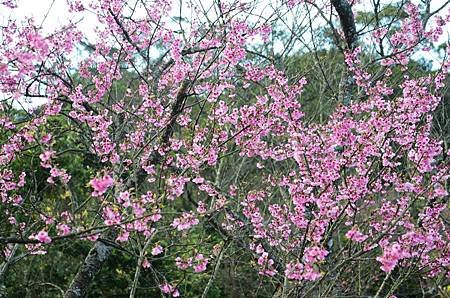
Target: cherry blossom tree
point(179, 136)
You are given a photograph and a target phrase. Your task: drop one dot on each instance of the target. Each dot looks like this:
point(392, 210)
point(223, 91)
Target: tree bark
point(4, 268)
point(347, 20)
point(90, 267)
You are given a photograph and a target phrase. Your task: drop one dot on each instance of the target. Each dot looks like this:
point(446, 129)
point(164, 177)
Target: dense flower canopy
point(176, 139)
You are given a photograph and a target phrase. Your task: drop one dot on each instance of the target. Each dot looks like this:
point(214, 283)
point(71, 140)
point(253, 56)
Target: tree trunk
point(90, 267)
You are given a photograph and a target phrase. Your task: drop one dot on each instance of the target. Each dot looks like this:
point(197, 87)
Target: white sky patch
point(53, 14)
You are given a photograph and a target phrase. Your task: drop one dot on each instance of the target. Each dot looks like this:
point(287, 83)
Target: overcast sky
point(54, 13)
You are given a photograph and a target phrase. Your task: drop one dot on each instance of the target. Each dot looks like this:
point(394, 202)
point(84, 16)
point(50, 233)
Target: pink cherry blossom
point(158, 249)
point(169, 289)
point(200, 263)
point(100, 185)
point(63, 229)
point(43, 237)
point(391, 256)
point(186, 221)
point(355, 235)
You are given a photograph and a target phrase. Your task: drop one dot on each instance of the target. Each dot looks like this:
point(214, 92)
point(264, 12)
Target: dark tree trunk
point(90, 267)
point(347, 19)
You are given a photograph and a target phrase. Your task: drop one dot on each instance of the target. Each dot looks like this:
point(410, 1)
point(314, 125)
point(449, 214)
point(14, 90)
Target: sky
point(54, 13)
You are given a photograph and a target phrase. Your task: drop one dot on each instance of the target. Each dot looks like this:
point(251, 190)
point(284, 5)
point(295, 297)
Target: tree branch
point(347, 19)
point(90, 267)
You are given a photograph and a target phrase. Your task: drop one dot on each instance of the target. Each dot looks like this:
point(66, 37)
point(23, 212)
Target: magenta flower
point(183, 264)
point(100, 185)
point(391, 256)
point(169, 289)
point(355, 235)
point(43, 237)
point(45, 158)
point(201, 263)
point(158, 249)
point(63, 229)
point(185, 222)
